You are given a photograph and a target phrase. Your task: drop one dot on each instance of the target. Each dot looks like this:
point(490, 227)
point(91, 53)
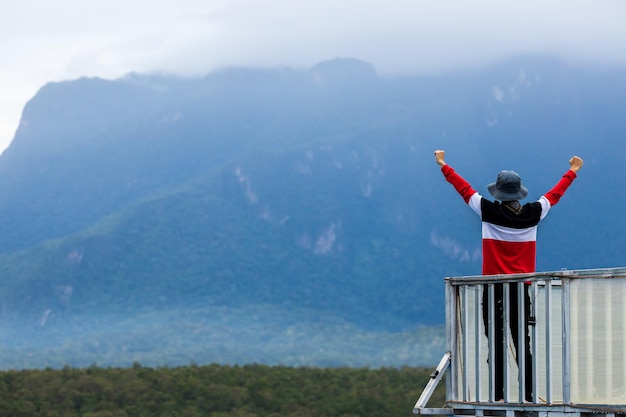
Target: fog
point(42, 41)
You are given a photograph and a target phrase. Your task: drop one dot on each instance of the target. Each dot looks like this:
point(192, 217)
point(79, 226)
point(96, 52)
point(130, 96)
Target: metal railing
point(559, 339)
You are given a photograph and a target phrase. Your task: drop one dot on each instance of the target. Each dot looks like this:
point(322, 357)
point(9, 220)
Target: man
point(509, 232)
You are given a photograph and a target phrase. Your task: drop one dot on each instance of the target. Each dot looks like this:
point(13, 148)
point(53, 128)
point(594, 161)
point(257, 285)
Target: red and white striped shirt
point(509, 239)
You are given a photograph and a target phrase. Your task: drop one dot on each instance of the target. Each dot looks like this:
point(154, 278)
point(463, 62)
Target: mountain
point(284, 216)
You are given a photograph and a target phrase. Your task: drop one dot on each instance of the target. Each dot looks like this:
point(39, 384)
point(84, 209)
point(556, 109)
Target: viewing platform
point(574, 340)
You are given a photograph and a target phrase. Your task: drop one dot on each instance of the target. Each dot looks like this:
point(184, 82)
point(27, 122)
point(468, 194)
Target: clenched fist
point(439, 157)
point(575, 163)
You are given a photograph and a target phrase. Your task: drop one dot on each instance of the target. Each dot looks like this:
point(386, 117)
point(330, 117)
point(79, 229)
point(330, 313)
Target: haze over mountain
point(283, 216)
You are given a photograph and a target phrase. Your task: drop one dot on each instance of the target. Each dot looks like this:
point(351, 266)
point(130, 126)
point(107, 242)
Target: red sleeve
point(460, 185)
point(555, 194)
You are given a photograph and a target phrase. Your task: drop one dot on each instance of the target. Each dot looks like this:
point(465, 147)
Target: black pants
point(499, 342)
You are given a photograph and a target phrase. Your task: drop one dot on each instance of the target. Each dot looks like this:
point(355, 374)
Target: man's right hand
point(575, 163)
point(439, 157)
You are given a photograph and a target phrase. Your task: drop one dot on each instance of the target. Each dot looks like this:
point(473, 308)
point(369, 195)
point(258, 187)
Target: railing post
point(452, 294)
point(491, 342)
point(477, 320)
point(548, 318)
point(565, 311)
point(465, 339)
point(506, 332)
point(533, 350)
point(521, 339)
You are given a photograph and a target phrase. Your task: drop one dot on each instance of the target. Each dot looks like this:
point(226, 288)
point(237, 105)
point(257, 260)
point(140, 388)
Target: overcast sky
point(43, 41)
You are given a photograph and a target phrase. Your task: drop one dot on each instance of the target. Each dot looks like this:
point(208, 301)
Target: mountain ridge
point(250, 188)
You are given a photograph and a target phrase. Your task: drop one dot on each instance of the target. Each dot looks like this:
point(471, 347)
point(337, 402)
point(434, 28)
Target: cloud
point(454, 250)
point(51, 41)
point(247, 187)
point(326, 241)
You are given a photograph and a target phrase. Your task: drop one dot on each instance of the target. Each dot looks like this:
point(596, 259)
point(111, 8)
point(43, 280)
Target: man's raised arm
point(555, 194)
point(460, 185)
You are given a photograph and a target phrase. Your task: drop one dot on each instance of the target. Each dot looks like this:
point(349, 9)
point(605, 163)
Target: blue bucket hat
point(508, 187)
